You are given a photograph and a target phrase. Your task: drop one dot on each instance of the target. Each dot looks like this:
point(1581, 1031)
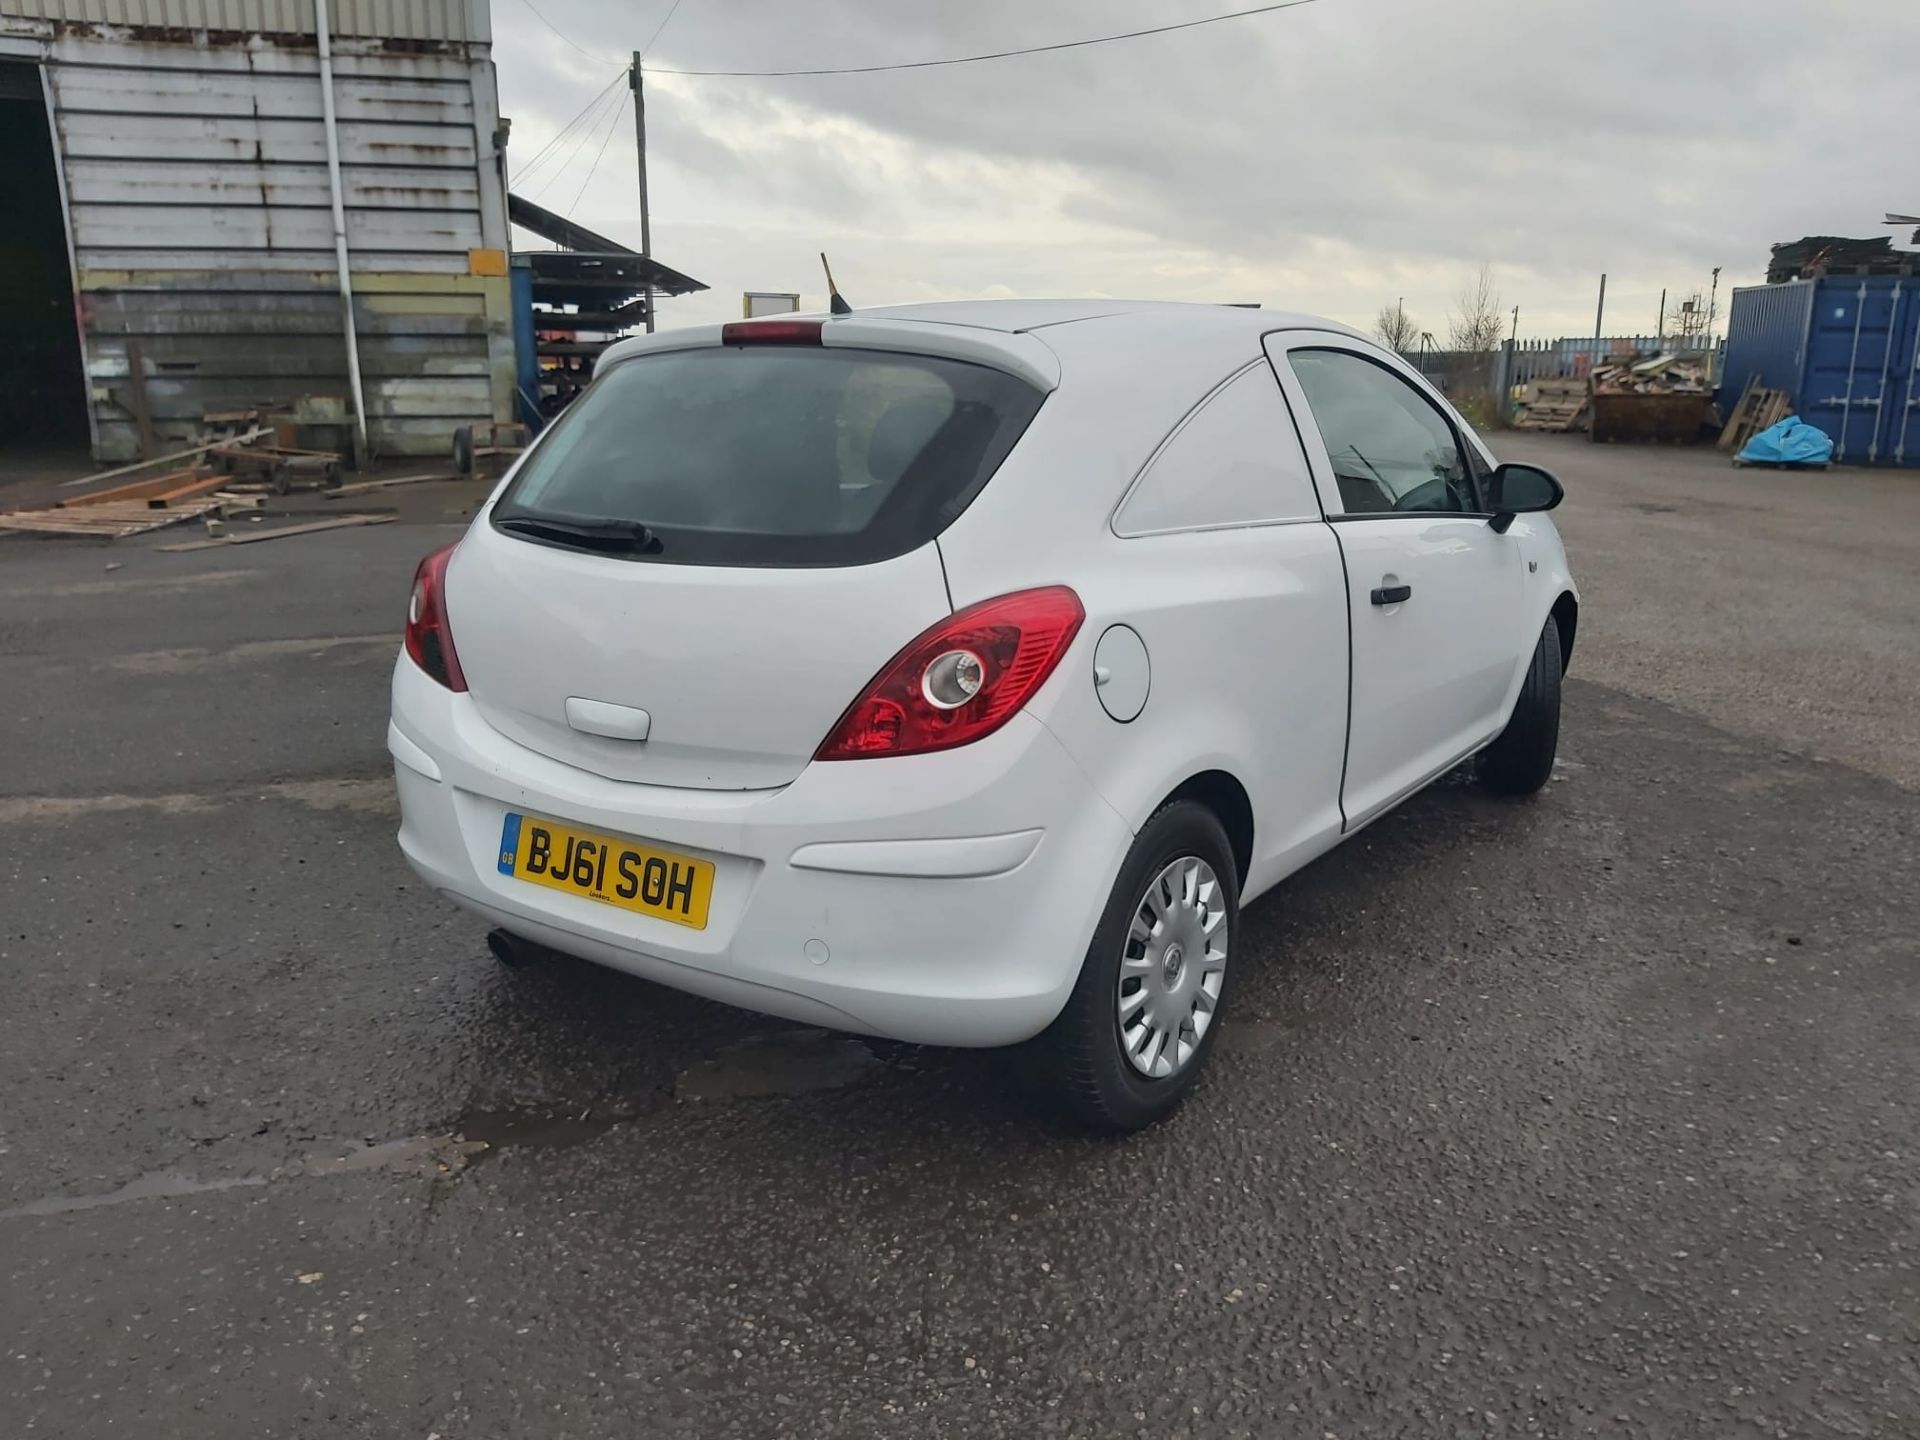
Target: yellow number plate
point(608, 869)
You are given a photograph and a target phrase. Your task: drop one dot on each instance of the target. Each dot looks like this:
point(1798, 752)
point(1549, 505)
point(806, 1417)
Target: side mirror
point(1521, 490)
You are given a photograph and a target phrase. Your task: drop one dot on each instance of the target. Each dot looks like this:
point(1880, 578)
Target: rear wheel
point(1519, 762)
point(1152, 990)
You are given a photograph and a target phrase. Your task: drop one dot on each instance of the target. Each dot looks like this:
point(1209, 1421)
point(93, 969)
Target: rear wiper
point(623, 537)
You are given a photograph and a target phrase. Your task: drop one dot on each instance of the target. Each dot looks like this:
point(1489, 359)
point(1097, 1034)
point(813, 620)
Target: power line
point(579, 143)
point(995, 55)
point(525, 172)
point(613, 123)
point(665, 21)
point(609, 100)
point(598, 59)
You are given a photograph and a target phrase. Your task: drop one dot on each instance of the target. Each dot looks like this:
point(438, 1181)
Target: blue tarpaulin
point(1791, 442)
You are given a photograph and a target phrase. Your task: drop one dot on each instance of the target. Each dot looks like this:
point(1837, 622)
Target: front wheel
point(1519, 762)
point(1152, 990)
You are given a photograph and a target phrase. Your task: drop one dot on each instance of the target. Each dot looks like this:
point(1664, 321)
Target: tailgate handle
point(616, 722)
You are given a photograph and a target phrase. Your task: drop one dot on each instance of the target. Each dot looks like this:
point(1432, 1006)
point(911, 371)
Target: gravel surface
point(1779, 605)
point(1586, 1116)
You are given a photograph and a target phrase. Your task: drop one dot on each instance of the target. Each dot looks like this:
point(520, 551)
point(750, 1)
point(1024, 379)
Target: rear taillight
point(429, 641)
point(962, 679)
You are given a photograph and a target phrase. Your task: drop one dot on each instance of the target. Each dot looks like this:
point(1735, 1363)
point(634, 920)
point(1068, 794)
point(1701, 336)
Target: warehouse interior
point(42, 387)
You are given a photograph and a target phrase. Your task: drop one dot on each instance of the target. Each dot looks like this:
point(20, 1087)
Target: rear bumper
point(944, 899)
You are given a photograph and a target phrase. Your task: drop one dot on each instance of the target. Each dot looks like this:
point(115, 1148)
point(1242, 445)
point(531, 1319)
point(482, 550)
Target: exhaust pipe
point(513, 952)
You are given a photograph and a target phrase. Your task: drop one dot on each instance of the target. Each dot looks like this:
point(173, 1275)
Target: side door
point(1432, 591)
point(1221, 566)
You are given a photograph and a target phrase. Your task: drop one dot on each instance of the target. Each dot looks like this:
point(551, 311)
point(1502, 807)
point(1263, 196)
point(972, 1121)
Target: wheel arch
point(1227, 798)
point(1566, 618)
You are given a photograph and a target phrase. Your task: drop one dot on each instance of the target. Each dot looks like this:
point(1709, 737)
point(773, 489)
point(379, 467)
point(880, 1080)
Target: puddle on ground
point(150, 585)
point(197, 661)
point(507, 1129)
point(374, 796)
point(51, 809)
point(161, 1184)
point(427, 1154)
point(359, 797)
point(422, 1154)
point(791, 1062)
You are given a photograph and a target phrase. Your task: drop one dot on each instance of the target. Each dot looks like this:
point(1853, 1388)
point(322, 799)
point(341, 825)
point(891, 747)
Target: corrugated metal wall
point(1766, 338)
point(200, 213)
point(1861, 357)
point(459, 20)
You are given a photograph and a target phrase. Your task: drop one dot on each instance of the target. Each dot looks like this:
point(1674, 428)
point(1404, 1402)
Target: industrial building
point(216, 205)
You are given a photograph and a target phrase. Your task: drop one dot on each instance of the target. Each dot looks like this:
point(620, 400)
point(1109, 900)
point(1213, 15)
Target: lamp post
point(1712, 301)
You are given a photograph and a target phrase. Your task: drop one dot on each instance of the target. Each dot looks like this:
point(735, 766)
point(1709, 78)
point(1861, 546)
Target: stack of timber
point(167, 489)
point(1652, 375)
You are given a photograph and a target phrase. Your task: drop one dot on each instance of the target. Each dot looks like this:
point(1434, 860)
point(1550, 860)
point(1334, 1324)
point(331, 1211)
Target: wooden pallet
point(1553, 405)
point(109, 520)
point(1757, 409)
point(1558, 419)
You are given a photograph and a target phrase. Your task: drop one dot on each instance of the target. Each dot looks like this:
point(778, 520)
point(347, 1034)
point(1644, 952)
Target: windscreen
point(772, 455)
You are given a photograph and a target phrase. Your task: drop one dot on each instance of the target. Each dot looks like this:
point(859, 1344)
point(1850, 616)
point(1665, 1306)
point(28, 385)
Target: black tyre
point(1153, 988)
point(1519, 762)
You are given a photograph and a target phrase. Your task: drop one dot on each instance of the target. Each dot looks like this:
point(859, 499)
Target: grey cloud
point(1650, 139)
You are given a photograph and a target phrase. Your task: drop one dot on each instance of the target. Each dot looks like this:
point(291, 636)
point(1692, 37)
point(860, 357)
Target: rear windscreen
point(797, 455)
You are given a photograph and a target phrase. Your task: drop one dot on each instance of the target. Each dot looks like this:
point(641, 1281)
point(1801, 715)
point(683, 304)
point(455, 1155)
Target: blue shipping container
point(526, 368)
point(1846, 349)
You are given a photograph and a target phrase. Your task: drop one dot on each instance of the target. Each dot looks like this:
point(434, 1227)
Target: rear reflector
point(771, 332)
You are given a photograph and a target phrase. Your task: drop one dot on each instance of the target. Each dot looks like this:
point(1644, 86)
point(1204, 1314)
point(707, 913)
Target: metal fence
point(1573, 357)
point(1464, 375)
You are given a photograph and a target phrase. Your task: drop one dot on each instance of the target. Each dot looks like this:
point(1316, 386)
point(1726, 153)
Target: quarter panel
point(1246, 637)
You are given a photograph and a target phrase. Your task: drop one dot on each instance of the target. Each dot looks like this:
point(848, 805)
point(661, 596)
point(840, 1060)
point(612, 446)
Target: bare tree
point(1398, 331)
point(1477, 323)
point(1687, 320)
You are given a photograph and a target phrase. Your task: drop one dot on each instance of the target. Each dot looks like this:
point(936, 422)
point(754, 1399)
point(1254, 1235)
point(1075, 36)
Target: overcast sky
point(1330, 158)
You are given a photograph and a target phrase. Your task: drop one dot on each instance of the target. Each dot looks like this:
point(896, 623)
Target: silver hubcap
point(1172, 968)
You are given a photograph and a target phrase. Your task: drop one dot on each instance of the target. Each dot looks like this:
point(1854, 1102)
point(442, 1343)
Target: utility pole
point(1599, 320)
point(635, 79)
point(1661, 333)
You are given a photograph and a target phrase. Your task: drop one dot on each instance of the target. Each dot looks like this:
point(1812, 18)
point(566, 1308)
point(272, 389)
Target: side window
point(1393, 453)
point(1236, 461)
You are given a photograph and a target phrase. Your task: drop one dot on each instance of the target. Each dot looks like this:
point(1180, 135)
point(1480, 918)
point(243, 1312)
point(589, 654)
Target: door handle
point(1392, 594)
